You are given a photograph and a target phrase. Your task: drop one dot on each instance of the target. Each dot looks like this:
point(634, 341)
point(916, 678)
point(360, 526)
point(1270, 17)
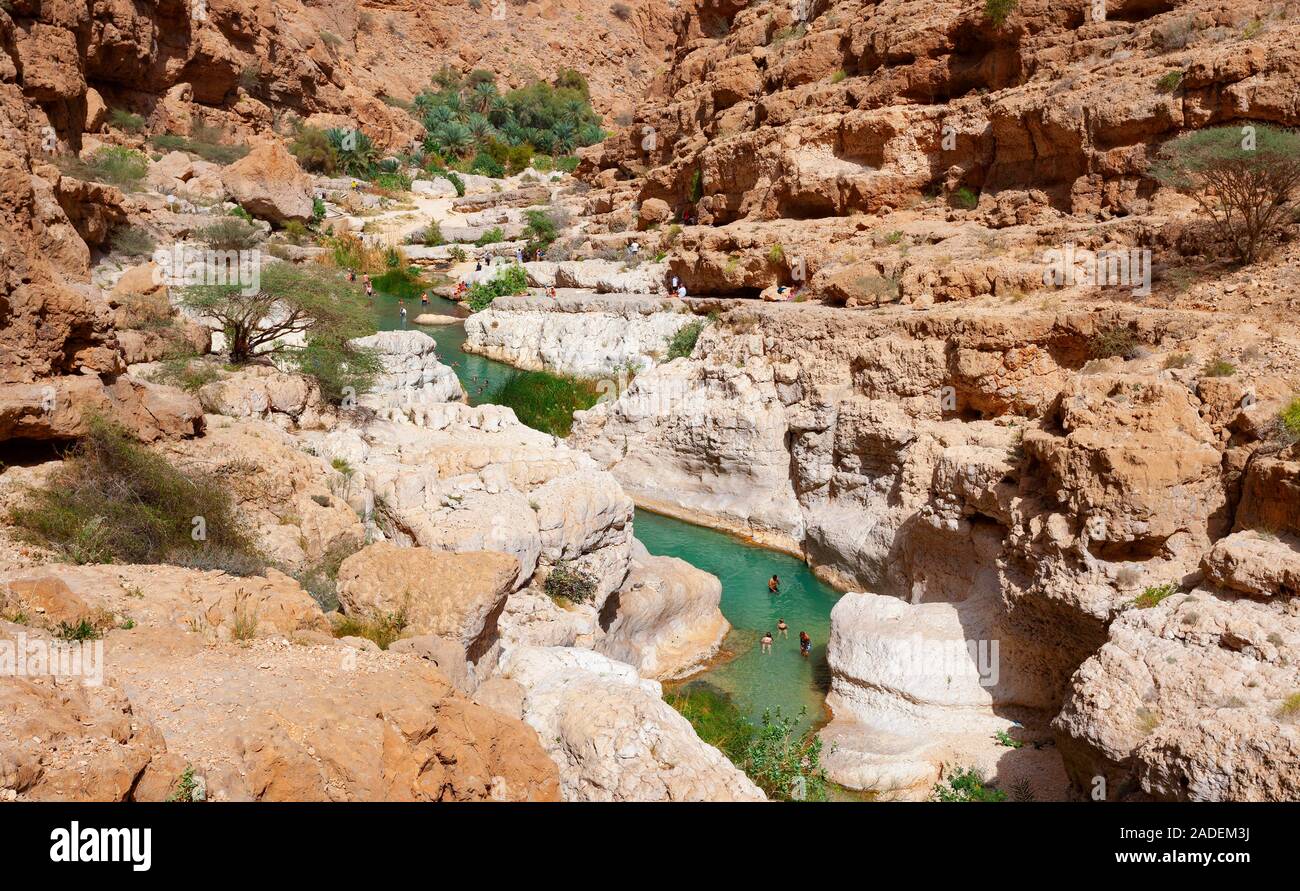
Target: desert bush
point(965, 784)
point(115, 501)
point(997, 11)
point(133, 242)
point(1244, 178)
point(785, 762)
point(205, 141)
point(380, 628)
point(1153, 595)
point(682, 344)
point(568, 582)
point(231, 234)
point(314, 151)
point(1170, 81)
point(494, 235)
point(125, 120)
point(113, 165)
point(1117, 341)
point(1218, 367)
point(508, 281)
point(715, 717)
point(621, 10)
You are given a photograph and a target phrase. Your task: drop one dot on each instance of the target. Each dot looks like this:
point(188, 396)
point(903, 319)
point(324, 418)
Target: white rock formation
point(915, 687)
point(668, 621)
point(575, 334)
point(411, 371)
point(611, 733)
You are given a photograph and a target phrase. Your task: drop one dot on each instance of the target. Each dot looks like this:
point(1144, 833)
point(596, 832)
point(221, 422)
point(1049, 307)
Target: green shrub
point(1218, 367)
point(133, 242)
point(545, 401)
point(231, 234)
point(314, 151)
point(1290, 707)
point(1244, 178)
point(186, 372)
point(965, 199)
point(714, 715)
point(404, 283)
point(486, 165)
point(494, 235)
point(204, 141)
point(1289, 420)
point(1154, 594)
point(784, 762)
point(1006, 739)
point(125, 120)
point(114, 165)
point(115, 501)
point(965, 784)
point(542, 229)
point(997, 11)
point(81, 630)
point(186, 789)
point(568, 582)
point(1170, 81)
point(682, 344)
point(507, 282)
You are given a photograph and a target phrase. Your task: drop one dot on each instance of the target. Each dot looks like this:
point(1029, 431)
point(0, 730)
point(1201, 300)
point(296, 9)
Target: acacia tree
point(1245, 178)
point(293, 302)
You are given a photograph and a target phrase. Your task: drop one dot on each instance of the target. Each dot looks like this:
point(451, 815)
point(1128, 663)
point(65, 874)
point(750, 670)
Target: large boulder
point(451, 595)
point(268, 183)
point(611, 733)
point(668, 621)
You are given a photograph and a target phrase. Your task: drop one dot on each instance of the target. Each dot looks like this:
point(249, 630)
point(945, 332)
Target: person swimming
point(774, 585)
point(782, 628)
point(767, 642)
point(805, 644)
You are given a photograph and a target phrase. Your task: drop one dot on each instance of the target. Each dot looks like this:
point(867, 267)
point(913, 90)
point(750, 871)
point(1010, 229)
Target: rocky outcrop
point(203, 681)
point(411, 371)
point(610, 732)
point(269, 184)
point(1190, 700)
point(667, 622)
point(456, 596)
point(579, 335)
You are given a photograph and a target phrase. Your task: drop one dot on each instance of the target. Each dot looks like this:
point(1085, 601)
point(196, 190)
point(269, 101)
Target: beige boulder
point(451, 595)
point(269, 184)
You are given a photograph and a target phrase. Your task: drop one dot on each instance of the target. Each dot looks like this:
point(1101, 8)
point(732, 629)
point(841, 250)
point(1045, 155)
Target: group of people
point(782, 629)
point(677, 288)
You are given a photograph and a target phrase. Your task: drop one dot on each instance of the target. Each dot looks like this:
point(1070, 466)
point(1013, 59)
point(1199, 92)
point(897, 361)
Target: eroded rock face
point(454, 596)
point(1187, 701)
point(411, 373)
point(204, 678)
point(667, 622)
point(576, 335)
point(269, 184)
point(611, 733)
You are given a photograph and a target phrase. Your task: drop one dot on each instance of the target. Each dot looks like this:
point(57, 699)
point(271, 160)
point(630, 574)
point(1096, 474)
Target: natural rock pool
point(756, 681)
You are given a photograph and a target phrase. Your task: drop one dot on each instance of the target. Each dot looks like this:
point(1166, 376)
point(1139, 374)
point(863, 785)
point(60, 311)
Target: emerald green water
point(477, 375)
point(755, 680)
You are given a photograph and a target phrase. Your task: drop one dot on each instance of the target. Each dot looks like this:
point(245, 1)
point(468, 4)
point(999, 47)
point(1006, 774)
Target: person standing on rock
point(767, 642)
point(774, 584)
point(782, 628)
point(805, 644)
